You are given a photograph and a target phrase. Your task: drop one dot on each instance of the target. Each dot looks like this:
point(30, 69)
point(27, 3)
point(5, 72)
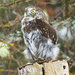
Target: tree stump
point(47, 68)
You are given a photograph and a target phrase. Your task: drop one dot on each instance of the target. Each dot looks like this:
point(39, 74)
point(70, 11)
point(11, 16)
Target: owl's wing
point(47, 30)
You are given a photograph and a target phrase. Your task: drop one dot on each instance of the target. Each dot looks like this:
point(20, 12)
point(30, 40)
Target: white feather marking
point(55, 51)
point(49, 42)
point(27, 54)
point(53, 36)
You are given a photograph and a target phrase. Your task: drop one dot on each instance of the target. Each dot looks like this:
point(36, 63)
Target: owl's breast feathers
point(46, 29)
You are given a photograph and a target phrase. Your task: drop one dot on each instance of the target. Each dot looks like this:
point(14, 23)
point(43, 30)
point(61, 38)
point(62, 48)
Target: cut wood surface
point(48, 68)
point(56, 68)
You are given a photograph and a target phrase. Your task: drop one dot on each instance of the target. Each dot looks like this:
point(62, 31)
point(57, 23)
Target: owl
point(39, 37)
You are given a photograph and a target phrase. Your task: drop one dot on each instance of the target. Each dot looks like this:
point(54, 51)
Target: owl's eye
point(32, 11)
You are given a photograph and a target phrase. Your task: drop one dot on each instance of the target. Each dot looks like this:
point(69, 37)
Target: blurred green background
point(61, 15)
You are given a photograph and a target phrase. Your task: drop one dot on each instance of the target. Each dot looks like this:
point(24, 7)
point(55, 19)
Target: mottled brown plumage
point(47, 30)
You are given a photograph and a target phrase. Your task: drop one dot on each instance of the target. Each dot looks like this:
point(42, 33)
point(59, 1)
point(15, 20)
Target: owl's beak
point(25, 15)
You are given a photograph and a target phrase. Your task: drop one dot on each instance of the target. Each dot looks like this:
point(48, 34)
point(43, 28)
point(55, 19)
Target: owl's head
point(32, 13)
